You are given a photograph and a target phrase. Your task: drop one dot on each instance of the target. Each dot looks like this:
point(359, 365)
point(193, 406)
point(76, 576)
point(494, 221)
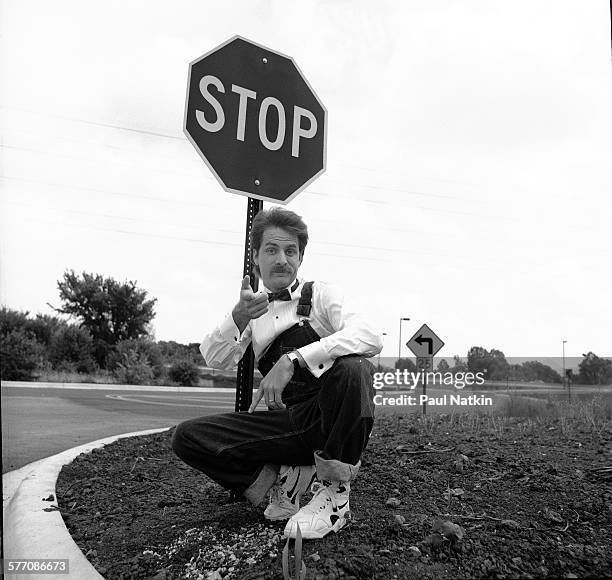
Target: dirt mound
point(440, 497)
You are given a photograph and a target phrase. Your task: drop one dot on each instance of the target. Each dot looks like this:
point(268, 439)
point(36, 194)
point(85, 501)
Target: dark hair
point(278, 217)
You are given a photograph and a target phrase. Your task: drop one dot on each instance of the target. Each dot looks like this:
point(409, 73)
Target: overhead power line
point(184, 139)
point(209, 229)
point(196, 240)
point(97, 123)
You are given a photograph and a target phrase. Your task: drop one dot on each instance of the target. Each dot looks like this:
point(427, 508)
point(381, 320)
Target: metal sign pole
point(244, 375)
point(424, 390)
point(425, 354)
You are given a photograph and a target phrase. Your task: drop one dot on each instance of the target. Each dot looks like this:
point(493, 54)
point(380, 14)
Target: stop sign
point(255, 121)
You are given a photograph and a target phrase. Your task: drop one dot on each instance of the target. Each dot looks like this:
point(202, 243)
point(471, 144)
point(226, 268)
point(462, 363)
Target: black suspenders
point(305, 304)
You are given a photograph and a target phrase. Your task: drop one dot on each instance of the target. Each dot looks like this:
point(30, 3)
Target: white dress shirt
point(342, 331)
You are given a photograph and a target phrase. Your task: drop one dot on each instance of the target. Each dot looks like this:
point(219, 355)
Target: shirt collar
point(293, 287)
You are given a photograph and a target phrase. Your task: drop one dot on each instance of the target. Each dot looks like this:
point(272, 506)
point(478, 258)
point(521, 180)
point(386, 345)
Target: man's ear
point(255, 262)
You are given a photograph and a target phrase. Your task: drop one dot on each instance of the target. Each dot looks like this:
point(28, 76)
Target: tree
point(405, 364)
point(477, 359)
point(443, 366)
point(185, 373)
point(45, 327)
point(498, 366)
point(21, 355)
point(594, 370)
point(173, 351)
point(492, 363)
point(20, 351)
point(536, 371)
point(109, 310)
point(12, 320)
point(72, 346)
point(458, 365)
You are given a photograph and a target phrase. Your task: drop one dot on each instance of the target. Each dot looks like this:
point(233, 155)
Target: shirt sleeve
point(224, 346)
point(348, 331)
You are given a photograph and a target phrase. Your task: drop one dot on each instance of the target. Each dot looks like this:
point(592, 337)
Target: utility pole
point(399, 348)
point(564, 368)
point(384, 334)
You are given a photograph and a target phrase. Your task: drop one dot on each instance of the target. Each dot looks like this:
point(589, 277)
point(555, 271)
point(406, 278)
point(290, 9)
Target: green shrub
point(172, 351)
point(45, 327)
point(146, 350)
point(134, 369)
point(21, 356)
point(185, 373)
point(71, 350)
point(11, 320)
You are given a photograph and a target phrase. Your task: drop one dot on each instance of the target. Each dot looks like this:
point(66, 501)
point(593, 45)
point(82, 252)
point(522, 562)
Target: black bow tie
point(284, 295)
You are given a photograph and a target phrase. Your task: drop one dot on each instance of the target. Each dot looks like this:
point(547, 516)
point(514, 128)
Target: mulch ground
point(528, 499)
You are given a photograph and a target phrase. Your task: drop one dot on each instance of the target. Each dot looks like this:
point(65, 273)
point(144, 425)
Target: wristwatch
point(295, 360)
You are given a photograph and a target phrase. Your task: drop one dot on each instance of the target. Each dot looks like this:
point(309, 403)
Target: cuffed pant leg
point(334, 470)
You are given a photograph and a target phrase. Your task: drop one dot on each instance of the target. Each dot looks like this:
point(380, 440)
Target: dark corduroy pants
point(233, 448)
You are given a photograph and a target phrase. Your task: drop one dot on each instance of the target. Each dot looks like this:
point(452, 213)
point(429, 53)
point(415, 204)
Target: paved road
point(42, 421)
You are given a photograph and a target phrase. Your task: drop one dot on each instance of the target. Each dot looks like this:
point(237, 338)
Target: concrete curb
point(29, 531)
point(125, 388)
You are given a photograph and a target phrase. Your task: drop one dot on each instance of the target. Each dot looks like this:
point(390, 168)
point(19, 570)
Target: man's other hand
point(273, 384)
point(250, 305)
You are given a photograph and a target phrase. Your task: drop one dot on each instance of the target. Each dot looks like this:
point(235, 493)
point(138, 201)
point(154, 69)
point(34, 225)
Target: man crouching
point(311, 349)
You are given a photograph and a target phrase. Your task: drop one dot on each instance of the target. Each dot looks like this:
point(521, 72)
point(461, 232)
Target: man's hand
point(273, 384)
point(250, 305)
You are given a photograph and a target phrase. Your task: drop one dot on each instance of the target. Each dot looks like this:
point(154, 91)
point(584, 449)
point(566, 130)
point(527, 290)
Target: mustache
point(280, 270)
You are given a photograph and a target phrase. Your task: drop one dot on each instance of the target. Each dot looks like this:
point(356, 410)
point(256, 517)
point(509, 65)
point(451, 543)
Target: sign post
point(244, 373)
point(425, 343)
point(261, 129)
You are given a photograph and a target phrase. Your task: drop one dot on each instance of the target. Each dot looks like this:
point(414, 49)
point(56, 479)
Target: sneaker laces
point(275, 493)
point(320, 498)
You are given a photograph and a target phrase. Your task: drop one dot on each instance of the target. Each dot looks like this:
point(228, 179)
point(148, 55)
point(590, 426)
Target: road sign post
point(261, 129)
point(425, 343)
point(424, 364)
point(244, 373)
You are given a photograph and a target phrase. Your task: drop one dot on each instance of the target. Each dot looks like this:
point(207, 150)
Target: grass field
point(592, 405)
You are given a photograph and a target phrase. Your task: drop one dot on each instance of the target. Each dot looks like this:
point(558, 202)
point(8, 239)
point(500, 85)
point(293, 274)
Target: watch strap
point(295, 360)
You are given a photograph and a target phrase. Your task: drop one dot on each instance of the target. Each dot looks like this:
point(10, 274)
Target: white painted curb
point(29, 531)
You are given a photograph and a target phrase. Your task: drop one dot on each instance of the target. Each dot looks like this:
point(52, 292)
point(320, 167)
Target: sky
point(468, 172)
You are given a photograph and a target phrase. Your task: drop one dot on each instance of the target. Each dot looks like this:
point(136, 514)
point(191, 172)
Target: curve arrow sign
point(421, 339)
point(425, 342)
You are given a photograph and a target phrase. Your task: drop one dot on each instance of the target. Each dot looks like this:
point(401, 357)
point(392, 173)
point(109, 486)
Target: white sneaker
point(285, 494)
point(326, 512)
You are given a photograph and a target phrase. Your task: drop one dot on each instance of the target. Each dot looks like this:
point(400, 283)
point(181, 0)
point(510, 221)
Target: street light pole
point(399, 348)
point(564, 366)
point(384, 334)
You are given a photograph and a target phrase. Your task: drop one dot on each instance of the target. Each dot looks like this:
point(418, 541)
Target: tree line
point(108, 333)
point(592, 370)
